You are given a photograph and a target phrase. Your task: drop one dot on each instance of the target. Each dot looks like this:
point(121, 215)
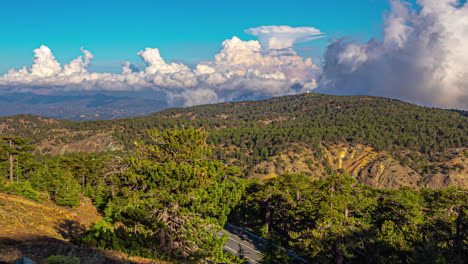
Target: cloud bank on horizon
point(422, 58)
point(241, 70)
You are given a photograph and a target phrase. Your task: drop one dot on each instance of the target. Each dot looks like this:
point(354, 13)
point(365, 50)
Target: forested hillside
point(381, 142)
point(170, 199)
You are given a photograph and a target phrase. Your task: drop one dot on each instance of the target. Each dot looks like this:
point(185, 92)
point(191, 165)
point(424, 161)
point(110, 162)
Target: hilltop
point(381, 142)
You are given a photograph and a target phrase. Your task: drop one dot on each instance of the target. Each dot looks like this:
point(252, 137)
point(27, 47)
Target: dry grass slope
point(38, 230)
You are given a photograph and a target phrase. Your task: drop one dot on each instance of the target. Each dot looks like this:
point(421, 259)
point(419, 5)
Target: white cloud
point(243, 57)
point(422, 57)
point(192, 97)
point(156, 64)
point(283, 37)
point(128, 68)
point(80, 64)
point(44, 63)
point(242, 69)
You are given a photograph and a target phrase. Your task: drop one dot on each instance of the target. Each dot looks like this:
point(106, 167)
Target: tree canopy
point(174, 197)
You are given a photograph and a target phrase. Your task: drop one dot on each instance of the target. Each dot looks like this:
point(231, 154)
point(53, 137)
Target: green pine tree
point(67, 192)
point(175, 197)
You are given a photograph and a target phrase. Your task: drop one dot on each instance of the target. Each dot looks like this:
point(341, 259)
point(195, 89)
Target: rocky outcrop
point(381, 170)
point(376, 169)
point(370, 167)
point(100, 142)
point(453, 172)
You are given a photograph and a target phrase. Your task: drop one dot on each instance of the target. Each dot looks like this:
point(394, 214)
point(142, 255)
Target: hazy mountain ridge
point(77, 107)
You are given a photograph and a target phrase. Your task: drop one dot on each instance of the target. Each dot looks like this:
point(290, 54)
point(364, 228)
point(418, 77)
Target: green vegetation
point(12, 147)
point(337, 220)
point(61, 178)
point(61, 259)
point(173, 199)
point(22, 188)
point(170, 191)
point(67, 192)
point(170, 200)
point(249, 133)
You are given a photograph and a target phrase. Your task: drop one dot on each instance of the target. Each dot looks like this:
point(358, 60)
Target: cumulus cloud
point(44, 63)
point(245, 57)
point(128, 68)
point(78, 65)
point(283, 37)
point(156, 64)
point(422, 57)
point(241, 70)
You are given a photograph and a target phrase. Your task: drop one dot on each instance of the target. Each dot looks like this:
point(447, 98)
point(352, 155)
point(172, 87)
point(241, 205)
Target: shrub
point(22, 188)
point(61, 259)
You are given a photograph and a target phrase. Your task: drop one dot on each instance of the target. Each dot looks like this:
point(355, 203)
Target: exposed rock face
point(379, 169)
point(454, 172)
point(372, 168)
point(440, 180)
point(100, 142)
point(387, 174)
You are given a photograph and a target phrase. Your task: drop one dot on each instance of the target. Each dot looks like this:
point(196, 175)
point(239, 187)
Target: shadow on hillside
point(38, 248)
point(70, 229)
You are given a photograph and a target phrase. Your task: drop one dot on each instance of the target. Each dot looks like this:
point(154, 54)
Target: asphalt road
point(241, 243)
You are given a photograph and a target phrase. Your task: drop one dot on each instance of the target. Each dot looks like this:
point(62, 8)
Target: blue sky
point(190, 31)
point(188, 34)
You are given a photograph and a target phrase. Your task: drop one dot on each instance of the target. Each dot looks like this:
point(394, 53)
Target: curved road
point(242, 242)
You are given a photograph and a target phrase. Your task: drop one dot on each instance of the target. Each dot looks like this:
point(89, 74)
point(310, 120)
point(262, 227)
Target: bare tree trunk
point(11, 163)
point(267, 218)
point(459, 232)
point(339, 258)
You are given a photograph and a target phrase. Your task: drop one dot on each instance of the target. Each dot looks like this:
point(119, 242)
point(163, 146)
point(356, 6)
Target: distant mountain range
point(78, 107)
